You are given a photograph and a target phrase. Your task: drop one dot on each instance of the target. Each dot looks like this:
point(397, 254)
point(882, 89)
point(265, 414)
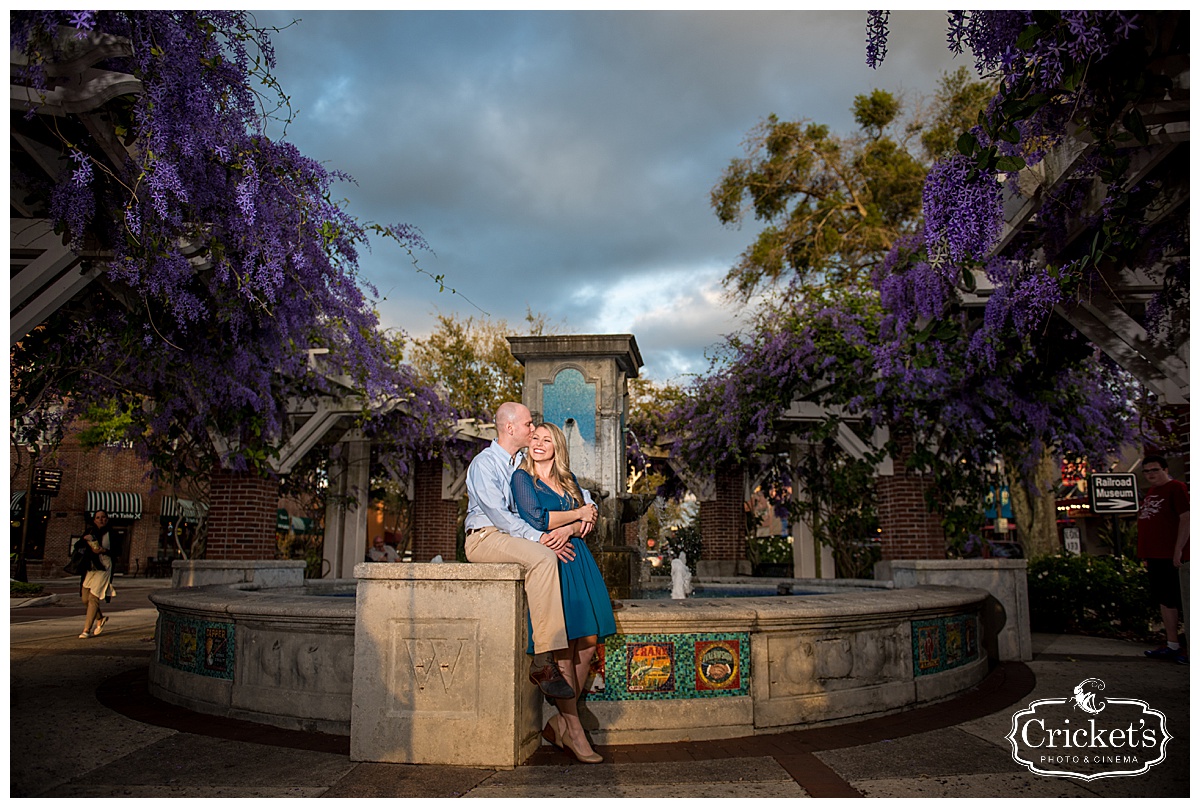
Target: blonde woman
point(548, 496)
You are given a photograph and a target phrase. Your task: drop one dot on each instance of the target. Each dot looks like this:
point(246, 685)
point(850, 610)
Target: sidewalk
point(82, 725)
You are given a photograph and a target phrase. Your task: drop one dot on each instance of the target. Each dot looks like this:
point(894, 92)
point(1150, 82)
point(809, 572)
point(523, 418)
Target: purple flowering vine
point(227, 258)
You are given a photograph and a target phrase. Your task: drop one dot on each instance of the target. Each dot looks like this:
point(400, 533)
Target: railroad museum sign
point(1113, 493)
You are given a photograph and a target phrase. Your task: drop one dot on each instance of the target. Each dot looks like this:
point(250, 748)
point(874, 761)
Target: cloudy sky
point(562, 161)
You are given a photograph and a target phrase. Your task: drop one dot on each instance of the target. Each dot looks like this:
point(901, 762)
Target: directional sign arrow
point(1110, 504)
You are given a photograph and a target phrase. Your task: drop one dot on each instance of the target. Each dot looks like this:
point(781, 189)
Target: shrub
point(20, 589)
point(1098, 595)
point(768, 549)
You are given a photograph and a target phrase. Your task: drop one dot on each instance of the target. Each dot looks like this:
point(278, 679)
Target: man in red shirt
point(1163, 545)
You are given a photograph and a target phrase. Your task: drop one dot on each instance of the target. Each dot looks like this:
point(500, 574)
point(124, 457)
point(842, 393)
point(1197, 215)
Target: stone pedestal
point(1005, 614)
point(579, 383)
point(440, 671)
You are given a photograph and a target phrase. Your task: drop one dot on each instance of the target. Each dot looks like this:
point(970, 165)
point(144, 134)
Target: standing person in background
point(1163, 536)
point(97, 582)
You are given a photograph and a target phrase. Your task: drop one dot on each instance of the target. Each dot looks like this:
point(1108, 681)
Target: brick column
point(435, 520)
point(241, 517)
point(723, 525)
point(910, 531)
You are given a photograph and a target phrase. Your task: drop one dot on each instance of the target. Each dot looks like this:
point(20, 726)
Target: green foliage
point(1119, 535)
point(840, 506)
point(828, 203)
point(956, 109)
point(832, 206)
point(20, 589)
point(875, 112)
point(472, 363)
point(105, 425)
point(1098, 595)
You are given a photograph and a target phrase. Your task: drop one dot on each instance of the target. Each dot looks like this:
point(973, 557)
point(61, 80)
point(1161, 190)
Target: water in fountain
point(681, 578)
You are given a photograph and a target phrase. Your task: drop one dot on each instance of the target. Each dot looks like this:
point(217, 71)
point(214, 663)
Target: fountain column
point(578, 382)
point(346, 505)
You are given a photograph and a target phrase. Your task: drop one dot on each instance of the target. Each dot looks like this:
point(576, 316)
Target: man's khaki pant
point(542, 589)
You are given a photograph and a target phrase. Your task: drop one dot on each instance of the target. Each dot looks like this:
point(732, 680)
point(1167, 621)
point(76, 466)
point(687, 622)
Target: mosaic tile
point(718, 665)
point(944, 643)
point(928, 640)
point(570, 396)
point(196, 646)
point(651, 667)
point(636, 667)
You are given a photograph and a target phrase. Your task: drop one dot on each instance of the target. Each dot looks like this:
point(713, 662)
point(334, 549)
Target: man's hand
point(588, 514)
point(566, 553)
point(558, 537)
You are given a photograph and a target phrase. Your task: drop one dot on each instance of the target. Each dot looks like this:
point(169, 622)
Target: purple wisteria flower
point(230, 241)
point(877, 34)
point(963, 210)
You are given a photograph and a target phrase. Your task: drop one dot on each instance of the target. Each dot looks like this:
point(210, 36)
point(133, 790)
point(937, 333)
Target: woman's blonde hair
point(560, 471)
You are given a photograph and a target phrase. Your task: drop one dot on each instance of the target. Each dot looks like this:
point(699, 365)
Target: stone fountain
point(425, 663)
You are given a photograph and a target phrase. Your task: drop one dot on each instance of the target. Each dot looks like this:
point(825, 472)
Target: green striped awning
point(303, 524)
point(190, 511)
point(117, 504)
point(17, 507)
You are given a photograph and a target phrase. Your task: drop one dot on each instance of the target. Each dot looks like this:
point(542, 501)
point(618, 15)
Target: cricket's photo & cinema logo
point(1088, 737)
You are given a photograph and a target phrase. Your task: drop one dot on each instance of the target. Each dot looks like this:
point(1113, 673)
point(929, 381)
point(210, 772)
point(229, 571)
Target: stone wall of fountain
point(686, 669)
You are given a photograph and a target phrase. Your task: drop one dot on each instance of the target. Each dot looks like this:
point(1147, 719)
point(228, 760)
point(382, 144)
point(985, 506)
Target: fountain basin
point(690, 669)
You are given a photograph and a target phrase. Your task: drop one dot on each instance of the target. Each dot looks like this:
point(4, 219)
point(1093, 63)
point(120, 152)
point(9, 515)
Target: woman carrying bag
point(96, 583)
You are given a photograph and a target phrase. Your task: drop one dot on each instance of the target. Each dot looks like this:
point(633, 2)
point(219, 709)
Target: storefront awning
point(303, 524)
point(17, 508)
point(117, 504)
point(188, 511)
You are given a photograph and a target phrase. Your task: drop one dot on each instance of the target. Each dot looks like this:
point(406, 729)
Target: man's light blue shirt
point(489, 494)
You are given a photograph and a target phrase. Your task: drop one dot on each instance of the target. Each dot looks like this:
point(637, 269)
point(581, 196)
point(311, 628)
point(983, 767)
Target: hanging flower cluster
point(817, 347)
point(960, 347)
point(229, 258)
point(1060, 72)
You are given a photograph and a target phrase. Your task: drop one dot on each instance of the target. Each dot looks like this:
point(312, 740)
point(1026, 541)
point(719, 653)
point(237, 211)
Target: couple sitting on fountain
point(526, 507)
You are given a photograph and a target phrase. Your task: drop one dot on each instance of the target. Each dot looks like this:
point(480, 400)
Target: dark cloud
point(562, 161)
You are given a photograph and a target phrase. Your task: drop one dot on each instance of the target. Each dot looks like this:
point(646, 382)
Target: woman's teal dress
point(587, 608)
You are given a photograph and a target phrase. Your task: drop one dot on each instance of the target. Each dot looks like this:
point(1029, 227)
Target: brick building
point(149, 525)
point(114, 479)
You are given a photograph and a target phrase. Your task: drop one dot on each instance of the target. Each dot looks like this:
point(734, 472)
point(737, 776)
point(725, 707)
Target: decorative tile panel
point(571, 397)
point(639, 667)
point(196, 646)
point(944, 643)
point(718, 665)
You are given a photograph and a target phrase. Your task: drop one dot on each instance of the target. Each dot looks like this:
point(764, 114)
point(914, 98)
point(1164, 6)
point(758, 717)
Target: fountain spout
point(681, 578)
